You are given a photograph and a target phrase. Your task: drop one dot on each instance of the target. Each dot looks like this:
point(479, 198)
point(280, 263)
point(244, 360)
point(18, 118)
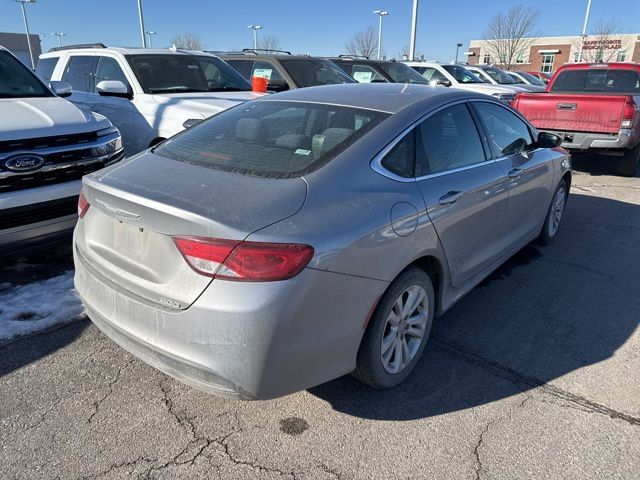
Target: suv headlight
point(110, 147)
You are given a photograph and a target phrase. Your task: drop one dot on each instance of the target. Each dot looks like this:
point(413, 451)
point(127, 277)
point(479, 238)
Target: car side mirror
point(113, 88)
point(444, 82)
point(548, 140)
point(277, 85)
point(61, 89)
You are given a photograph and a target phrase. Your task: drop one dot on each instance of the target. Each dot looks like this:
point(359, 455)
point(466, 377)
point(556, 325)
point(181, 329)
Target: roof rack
point(257, 51)
point(354, 56)
point(79, 45)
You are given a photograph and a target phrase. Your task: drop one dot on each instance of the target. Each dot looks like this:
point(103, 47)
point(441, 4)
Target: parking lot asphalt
point(535, 374)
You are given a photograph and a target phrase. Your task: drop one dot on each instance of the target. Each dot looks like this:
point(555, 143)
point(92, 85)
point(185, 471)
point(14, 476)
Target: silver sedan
point(310, 234)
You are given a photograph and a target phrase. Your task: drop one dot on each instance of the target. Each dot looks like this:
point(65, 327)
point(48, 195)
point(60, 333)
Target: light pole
point(26, 27)
point(380, 13)
point(458, 45)
point(150, 32)
point(255, 29)
point(414, 29)
point(144, 38)
point(584, 30)
point(59, 35)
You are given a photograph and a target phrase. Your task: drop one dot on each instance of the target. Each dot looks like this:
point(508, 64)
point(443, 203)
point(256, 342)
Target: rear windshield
point(272, 139)
point(402, 73)
point(17, 81)
point(532, 79)
point(185, 74)
point(310, 72)
point(499, 76)
point(598, 81)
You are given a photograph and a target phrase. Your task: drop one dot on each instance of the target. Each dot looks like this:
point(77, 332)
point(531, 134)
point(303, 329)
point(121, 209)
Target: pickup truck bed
point(591, 107)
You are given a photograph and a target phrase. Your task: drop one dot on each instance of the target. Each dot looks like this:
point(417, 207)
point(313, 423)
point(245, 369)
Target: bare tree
point(602, 45)
point(188, 41)
point(510, 36)
point(363, 43)
point(404, 54)
point(269, 42)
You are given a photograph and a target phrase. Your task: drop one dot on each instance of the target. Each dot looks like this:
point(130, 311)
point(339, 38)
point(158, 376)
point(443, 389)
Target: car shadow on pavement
point(547, 312)
point(595, 165)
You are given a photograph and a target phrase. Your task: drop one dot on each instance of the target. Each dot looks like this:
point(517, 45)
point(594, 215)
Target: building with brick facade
point(546, 54)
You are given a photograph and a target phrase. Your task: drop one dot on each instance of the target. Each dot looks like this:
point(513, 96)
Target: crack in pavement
point(578, 267)
point(519, 378)
point(114, 380)
point(116, 466)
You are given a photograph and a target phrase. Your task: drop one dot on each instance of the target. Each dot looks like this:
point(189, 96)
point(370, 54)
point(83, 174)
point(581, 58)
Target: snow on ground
point(36, 306)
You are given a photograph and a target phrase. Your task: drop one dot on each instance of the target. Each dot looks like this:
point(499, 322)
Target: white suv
point(46, 145)
point(149, 94)
point(458, 76)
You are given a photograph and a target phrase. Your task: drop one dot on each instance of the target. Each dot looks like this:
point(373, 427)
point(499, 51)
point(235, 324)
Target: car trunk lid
point(138, 207)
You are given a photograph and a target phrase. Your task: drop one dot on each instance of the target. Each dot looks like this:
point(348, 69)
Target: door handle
point(515, 173)
point(450, 198)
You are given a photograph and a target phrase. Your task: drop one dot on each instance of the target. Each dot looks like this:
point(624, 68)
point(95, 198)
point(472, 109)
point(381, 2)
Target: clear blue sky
point(318, 27)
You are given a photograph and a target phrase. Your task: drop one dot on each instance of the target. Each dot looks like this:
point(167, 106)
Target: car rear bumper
point(591, 140)
point(242, 340)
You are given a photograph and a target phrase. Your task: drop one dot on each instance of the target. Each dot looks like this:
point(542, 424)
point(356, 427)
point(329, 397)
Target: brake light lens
point(244, 261)
point(628, 114)
point(83, 205)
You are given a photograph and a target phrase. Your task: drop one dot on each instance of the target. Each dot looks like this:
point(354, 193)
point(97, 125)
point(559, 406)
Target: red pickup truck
point(591, 107)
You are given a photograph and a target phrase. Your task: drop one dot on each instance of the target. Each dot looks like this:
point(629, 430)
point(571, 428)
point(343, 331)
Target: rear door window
point(78, 73)
point(271, 138)
point(508, 134)
point(598, 80)
point(447, 140)
point(243, 67)
point(45, 68)
point(266, 70)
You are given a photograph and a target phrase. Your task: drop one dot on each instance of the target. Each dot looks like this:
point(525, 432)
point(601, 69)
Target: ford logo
point(24, 163)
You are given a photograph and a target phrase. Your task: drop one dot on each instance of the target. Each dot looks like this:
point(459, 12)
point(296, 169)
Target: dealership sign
point(602, 44)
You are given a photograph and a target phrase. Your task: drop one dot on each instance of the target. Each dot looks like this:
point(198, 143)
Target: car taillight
point(628, 114)
point(83, 205)
point(244, 261)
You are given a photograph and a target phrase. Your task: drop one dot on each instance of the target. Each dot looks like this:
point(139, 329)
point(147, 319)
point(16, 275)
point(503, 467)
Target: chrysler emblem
point(24, 163)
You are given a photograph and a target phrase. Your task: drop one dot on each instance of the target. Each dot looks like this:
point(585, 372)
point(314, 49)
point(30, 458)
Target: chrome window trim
point(376, 163)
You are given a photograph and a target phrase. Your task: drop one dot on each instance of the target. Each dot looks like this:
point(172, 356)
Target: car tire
point(628, 164)
point(371, 367)
point(554, 214)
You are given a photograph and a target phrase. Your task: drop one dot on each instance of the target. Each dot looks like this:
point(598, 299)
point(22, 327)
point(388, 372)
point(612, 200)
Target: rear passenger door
point(528, 168)
point(465, 194)
point(79, 74)
point(120, 111)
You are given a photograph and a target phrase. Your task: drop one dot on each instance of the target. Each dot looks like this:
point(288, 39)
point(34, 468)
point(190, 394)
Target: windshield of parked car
point(532, 79)
point(461, 74)
point(17, 81)
point(273, 139)
point(600, 80)
point(402, 73)
point(309, 72)
point(185, 73)
point(516, 78)
point(499, 76)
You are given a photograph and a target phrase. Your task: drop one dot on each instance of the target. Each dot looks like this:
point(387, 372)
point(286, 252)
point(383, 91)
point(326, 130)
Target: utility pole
point(255, 29)
point(458, 45)
point(584, 31)
point(26, 27)
point(149, 33)
point(59, 35)
point(144, 38)
point(414, 28)
point(380, 13)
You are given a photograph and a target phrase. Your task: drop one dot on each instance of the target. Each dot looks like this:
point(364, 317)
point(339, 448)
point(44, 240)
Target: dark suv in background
point(365, 70)
point(283, 70)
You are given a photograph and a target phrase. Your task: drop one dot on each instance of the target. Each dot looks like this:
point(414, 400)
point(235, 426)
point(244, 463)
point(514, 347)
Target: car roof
point(123, 51)
point(384, 97)
point(347, 58)
point(251, 55)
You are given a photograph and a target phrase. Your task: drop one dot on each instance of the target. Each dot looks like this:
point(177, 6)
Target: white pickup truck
point(46, 145)
point(149, 94)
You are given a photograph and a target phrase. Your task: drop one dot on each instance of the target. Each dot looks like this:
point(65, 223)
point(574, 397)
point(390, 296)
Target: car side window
point(243, 67)
point(507, 133)
point(78, 73)
point(108, 69)
point(433, 75)
point(266, 70)
point(365, 74)
point(45, 68)
point(447, 140)
point(400, 159)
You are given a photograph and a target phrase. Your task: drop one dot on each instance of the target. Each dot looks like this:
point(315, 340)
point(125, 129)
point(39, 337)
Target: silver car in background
point(313, 233)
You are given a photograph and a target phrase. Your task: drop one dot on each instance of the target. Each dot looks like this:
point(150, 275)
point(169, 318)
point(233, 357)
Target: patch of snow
point(30, 308)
